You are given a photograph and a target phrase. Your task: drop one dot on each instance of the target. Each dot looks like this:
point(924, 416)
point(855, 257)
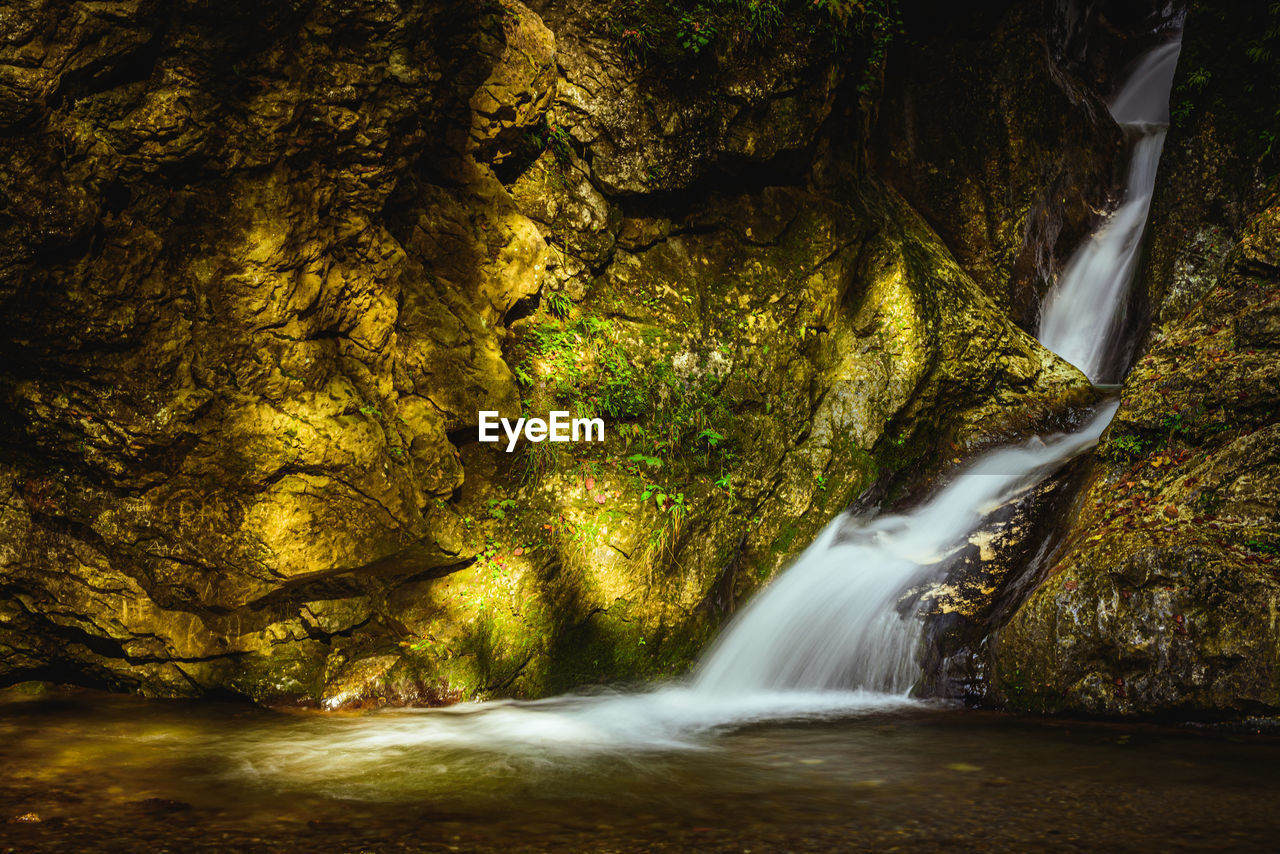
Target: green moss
point(678, 31)
point(782, 542)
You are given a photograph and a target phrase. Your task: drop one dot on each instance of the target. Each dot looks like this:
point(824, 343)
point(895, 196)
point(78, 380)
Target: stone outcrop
point(261, 267)
point(992, 127)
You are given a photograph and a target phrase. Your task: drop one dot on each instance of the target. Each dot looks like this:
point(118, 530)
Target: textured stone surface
point(1006, 151)
point(1162, 599)
point(260, 267)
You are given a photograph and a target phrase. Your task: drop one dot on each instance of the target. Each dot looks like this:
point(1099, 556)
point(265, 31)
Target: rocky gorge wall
point(1162, 598)
point(262, 267)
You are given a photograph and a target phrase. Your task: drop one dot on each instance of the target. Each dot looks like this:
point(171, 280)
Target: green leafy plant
point(1124, 446)
point(559, 304)
point(1262, 547)
point(694, 34)
point(498, 507)
point(711, 437)
point(725, 482)
point(648, 461)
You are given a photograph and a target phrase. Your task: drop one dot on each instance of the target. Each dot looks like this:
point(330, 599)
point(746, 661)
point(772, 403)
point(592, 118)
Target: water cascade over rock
point(833, 619)
point(1082, 315)
point(840, 630)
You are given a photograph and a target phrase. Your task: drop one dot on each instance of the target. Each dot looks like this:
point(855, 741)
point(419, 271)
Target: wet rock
point(1007, 151)
point(1161, 600)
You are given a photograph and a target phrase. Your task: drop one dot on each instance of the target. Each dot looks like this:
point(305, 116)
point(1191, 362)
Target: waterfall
point(830, 620)
point(1082, 316)
point(838, 632)
point(841, 617)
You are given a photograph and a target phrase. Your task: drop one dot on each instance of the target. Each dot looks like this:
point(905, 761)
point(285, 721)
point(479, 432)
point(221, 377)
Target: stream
point(109, 773)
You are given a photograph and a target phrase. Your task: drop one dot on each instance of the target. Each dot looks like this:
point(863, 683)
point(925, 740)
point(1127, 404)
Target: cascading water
point(831, 620)
point(1081, 318)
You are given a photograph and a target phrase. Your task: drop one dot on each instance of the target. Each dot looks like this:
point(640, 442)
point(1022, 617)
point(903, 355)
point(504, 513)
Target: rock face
point(262, 266)
point(1162, 598)
point(990, 129)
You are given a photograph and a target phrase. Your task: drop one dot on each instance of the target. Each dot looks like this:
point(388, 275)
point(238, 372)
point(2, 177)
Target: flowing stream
point(828, 638)
point(1082, 317)
point(830, 621)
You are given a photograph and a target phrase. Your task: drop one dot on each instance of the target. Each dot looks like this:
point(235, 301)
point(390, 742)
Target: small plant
point(498, 507)
point(656, 492)
point(559, 304)
point(1198, 79)
point(559, 142)
point(694, 34)
point(629, 433)
point(1263, 547)
point(725, 482)
point(1124, 446)
point(711, 437)
point(649, 462)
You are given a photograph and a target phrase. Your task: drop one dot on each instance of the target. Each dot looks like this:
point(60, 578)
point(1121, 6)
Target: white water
point(835, 634)
point(830, 621)
point(1082, 316)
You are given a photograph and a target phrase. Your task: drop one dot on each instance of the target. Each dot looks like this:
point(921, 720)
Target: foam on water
point(831, 621)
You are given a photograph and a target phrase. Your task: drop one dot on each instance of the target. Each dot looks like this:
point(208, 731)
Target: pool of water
point(83, 771)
